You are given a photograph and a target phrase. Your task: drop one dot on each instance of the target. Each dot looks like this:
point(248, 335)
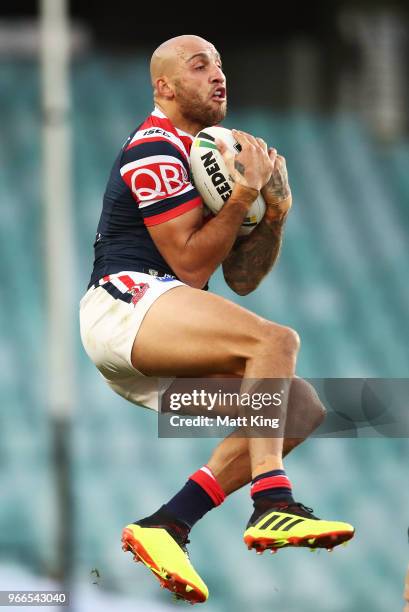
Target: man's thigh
point(188, 332)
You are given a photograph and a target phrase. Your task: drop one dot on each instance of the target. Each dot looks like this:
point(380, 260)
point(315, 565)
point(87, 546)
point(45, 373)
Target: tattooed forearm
point(253, 257)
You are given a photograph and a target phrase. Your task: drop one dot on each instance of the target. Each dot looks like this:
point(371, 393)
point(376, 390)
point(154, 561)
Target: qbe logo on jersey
point(159, 180)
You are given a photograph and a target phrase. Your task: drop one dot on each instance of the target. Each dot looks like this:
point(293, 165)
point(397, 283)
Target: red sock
point(206, 479)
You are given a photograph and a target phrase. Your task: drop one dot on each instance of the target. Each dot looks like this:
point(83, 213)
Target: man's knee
point(317, 408)
point(303, 397)
point(279, 339)
point(317, 411)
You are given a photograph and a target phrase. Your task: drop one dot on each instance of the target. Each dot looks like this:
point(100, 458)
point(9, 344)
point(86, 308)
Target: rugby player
point(147, 313)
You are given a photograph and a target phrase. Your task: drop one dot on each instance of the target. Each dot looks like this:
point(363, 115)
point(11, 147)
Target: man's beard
point(195, 110)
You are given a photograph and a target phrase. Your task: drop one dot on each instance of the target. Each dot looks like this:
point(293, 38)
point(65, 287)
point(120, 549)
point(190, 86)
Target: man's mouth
point(219, 94)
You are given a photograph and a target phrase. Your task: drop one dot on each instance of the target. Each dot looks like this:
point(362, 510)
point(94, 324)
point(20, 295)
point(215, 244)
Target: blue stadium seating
point(340, 282)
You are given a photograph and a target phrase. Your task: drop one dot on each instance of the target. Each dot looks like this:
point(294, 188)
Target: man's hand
point(252, 167)
point(276, 191)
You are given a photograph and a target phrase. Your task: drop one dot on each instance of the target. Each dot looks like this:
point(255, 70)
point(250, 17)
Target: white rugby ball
point(212, 179)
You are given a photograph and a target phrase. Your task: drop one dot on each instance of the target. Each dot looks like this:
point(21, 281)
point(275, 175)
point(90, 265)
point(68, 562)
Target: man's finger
point(252, 139)
point(272, 153)
point(262, 144)
point(242, 138)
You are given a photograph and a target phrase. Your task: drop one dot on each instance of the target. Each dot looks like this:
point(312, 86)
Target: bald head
point(189, 86)
point(173, 52)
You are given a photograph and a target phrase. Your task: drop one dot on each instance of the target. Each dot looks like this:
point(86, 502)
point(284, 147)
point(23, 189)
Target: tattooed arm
point(253, 256)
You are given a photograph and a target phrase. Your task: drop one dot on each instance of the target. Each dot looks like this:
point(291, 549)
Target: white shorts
point(110, 317)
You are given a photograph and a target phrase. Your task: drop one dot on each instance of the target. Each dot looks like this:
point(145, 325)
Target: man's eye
point(200, 67)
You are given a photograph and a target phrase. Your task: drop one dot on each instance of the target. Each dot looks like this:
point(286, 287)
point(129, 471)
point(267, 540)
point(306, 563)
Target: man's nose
point(217, 75)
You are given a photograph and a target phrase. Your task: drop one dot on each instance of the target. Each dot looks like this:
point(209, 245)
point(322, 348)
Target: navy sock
point(270, 490)
point(200, 494)
point(190, 503)
point(273, 486)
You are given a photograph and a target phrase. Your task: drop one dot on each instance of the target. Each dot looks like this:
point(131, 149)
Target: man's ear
point(164, 88)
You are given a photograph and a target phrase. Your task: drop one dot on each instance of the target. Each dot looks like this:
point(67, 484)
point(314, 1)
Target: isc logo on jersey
point(159, 180)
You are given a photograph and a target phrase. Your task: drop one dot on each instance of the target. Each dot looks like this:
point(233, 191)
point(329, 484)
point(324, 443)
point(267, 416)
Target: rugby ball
point(211, 176)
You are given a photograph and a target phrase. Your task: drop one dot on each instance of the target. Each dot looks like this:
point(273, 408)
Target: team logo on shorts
point(138, 291)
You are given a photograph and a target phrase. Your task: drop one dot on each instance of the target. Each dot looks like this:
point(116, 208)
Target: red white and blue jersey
point(150, 183)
